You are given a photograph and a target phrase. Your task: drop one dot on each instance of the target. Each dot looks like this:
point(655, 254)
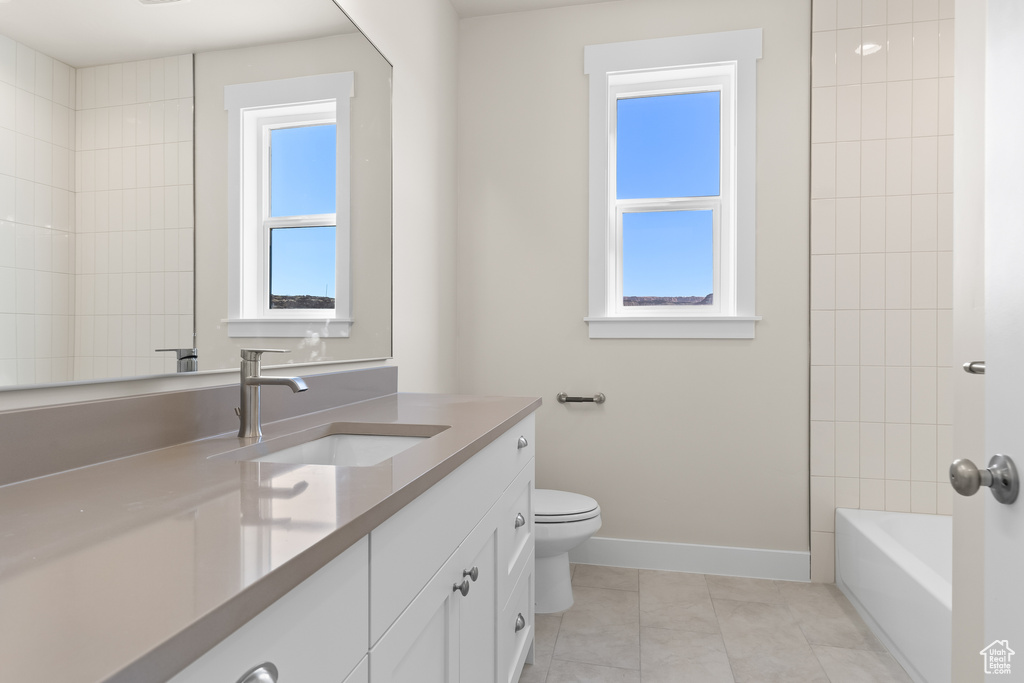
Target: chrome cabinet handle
point(523, 443)
point(520, 520)
point(264, 673)
point(473, 573)
point(520, 623)
point(1000, 476)
point(461, 587)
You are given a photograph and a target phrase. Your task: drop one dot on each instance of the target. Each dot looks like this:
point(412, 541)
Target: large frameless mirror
point(142, 208)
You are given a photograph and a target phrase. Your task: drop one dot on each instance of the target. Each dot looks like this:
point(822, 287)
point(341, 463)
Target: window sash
point(683, 204)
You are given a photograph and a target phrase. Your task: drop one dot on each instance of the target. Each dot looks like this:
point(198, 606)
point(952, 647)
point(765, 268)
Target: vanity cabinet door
point(478, 614)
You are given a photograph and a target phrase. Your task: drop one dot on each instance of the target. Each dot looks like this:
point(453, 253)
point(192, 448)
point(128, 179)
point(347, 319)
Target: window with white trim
point(672, 124)
point(289, 208)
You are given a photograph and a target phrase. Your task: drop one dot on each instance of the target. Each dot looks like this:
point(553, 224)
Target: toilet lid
point(550, 506)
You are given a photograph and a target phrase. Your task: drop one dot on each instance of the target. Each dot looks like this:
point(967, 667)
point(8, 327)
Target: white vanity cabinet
point(440, 592)
point(429, 631)
point(316, 632)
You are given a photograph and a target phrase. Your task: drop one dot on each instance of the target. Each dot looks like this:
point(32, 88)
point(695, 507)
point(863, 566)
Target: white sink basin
point(344, 450)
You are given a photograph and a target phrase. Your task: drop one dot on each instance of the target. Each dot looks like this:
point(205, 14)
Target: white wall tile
point(897, 280)
point(899, 108)
point(872, 397)
point(823, 282)
point(872, 223)
point(872, 494)
point(873, 111)
point(926, 50)
point(823, 114)
point(847, 228)
point(847, 113)
point(897, 338)
point(897, 395)
point(847, 278)
point(872, 281)
point(822, 447)
point(897, 166)
point(847, 492)
point(823, 171)
point(872, 337)
point(823, 392)
point(923, 337)
point(8, 60)
point(924, 279)
point(872, 450)
point(8, 106)
point(25, 76)
point(847, 337)
point(944, 266)
point(823, 337)
point(873, 13)
point(926, 107)
point(823, 226)
point(872, 165)
point(874, 57)
point(823, 557)
point(945, 48)
point(24, 112)
point(156, 80)
point(847, 448)
point(848, 14)
point(923, 395)
point(823, 58)
point(900, 56)
point(823, 504)
point(944, 338)
point(945, 164)
point(848, 43)
point(945, 106)
point(923, 452)
point(847, 392)
point(924, 224)
point(925, 165)
point(922, 497)
point(925, 10)
point(898, 219)
point(897, 496)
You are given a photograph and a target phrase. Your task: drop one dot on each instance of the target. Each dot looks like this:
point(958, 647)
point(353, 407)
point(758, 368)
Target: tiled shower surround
point(881, 260)
point(96, 216)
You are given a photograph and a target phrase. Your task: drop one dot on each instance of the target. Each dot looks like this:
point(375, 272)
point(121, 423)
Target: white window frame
point(725, 62)
point(254, 109)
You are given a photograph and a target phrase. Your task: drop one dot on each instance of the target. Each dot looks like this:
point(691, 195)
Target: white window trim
point(615, 66)
point(247, 314)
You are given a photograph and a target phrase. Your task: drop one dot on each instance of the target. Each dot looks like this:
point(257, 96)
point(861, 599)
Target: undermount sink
point(344, 450)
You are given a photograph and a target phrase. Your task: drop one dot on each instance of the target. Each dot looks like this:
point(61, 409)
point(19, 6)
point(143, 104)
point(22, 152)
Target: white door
point(1004, 322)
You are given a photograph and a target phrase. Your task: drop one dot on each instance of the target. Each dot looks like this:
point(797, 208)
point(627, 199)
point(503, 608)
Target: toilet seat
point(558, 507)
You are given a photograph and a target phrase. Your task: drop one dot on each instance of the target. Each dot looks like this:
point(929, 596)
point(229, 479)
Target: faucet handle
point(254, 354)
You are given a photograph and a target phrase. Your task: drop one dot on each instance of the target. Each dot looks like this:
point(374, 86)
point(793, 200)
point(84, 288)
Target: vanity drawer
point(410, 546)
point(513, 642)
point(515, 532)
point(316, 632)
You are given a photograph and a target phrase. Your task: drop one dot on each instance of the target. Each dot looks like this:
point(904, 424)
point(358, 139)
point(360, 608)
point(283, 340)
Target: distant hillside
point(668, 300)
point(300, 301)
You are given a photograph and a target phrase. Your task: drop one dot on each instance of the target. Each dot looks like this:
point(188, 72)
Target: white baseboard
point(783, 565)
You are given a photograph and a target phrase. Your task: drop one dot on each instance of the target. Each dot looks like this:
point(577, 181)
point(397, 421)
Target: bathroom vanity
point(205, 561)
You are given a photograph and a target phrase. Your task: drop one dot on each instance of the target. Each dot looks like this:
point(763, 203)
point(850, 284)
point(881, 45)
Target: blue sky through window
point(302, 170)
point(667, 253)
point(303, 174)
point(302, 261)
point(668, 146)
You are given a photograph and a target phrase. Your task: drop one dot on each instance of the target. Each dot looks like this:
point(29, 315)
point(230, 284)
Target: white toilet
point(562, 521)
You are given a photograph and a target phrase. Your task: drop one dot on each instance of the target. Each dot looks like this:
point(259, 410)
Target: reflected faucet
point(250, 383)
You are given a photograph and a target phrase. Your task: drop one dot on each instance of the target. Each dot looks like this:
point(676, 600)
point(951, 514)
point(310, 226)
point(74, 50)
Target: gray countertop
point(128, 570)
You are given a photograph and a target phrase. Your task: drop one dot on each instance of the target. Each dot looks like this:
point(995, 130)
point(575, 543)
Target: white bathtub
point(896, 568)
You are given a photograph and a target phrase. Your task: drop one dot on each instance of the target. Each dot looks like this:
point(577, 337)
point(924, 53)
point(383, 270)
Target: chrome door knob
point(264, 673)
point(1000, 476)
point(461, 587)
point(473, 573)
point(520, 520)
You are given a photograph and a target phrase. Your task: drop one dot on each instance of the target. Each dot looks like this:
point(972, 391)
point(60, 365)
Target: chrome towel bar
point(565, 398)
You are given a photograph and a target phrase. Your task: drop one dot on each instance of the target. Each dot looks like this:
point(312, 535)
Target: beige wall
point(420, 38)
point(370, 207)
point(700, 441)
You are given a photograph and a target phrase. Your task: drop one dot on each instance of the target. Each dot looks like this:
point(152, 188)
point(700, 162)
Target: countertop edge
point(179, 651)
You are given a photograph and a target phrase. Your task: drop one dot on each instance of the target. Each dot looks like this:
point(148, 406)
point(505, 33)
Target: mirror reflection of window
point(302, 186)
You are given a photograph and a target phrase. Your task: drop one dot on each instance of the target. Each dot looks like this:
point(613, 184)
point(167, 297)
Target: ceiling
point(478, 8)
point(92, 32)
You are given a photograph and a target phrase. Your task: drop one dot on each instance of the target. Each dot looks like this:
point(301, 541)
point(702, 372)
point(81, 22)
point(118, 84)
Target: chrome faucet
point(251, 381)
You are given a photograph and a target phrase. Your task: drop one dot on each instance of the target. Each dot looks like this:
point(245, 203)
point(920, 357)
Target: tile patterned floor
point(638, 626)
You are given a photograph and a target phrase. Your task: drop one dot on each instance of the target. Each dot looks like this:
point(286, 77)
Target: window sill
point(720, 327)
point(294, 327)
